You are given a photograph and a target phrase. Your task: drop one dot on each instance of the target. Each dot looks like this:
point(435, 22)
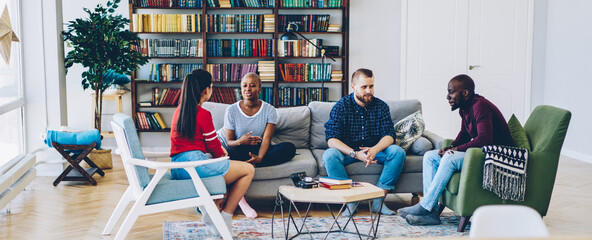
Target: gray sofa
point(305, 127)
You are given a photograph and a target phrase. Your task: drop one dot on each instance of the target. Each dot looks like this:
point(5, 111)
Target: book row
point(230, 95)
point(298, 96)
point(299, 48)
point(165, 96)
point(171, 47)
point(166, 23)
point(241, 3)
point(150, 121)
point(305, 72)
point(238, 22)
point(167, 3)
point(312, 3)
point(230, 72)
point(305, 23)
point(171, 72)
point(240, 47)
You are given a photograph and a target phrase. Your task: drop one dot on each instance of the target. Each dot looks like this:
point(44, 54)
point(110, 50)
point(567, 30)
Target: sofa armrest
point(434, 138)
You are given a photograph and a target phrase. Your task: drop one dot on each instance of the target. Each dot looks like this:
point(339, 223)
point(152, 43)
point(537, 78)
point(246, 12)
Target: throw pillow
point(518, 133)
point(421, 146)
point(409, 129)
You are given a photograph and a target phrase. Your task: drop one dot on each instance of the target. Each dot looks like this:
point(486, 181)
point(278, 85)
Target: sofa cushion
point(293, 126)
point(302, 162)
point(403, 108)
point(421, 146)
point(413, 164)
point(319, 112)
point(217, 110)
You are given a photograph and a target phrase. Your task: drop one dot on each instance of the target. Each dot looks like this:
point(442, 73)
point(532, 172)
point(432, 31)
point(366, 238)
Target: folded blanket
point(504, 172)
point(74, 138)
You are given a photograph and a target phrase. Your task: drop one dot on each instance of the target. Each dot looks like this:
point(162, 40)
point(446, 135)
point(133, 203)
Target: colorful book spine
point(240, 47)
point(171, 47)
point(300, 96)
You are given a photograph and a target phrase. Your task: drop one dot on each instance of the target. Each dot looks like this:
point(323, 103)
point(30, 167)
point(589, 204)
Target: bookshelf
point(232, 37)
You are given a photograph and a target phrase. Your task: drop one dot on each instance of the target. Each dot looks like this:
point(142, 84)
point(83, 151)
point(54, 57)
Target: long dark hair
point(194, 84)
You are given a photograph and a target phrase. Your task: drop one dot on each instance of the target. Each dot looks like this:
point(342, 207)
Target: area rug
point(390, 226)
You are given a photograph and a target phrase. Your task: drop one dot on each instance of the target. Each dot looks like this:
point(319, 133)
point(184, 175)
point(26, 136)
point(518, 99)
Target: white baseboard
point(577, 155)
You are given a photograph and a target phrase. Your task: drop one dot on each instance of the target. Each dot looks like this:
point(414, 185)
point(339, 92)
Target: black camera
point(302, 181)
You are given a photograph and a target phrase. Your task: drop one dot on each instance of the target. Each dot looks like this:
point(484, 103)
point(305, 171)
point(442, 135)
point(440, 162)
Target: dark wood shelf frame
point(204, 10)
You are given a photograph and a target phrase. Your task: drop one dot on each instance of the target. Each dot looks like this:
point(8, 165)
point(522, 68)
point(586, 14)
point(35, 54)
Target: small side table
point(117, 97)
point(326, 196)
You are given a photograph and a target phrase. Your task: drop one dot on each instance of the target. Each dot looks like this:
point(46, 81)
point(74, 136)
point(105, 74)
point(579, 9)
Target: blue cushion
point(74, 138)
point(170, 190)
point(131, 135)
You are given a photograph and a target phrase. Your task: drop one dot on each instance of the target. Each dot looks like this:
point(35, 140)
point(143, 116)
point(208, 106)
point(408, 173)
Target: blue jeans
point(437, 171)
point(392, 158)
point(208, 170)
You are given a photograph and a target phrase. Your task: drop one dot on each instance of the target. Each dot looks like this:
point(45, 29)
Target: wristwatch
point(352, 154)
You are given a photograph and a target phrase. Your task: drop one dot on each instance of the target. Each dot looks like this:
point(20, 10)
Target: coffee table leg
point(377, 218)
point(301, 219)
point(278, 201)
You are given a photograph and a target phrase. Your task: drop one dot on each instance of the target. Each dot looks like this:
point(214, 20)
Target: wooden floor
point(75, 210)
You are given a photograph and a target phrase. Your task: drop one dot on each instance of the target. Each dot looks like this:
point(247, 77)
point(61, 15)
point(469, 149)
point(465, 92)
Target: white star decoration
point(6, 35)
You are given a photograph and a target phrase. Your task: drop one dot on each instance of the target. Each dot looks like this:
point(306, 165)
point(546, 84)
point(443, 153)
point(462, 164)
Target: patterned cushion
point(409, 129)
point(518, 133)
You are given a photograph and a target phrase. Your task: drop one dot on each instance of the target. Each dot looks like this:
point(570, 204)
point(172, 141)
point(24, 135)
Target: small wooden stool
point(73, 155)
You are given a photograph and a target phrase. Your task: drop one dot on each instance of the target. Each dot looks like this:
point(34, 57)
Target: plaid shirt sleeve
point(386, 122)
point(335, 126)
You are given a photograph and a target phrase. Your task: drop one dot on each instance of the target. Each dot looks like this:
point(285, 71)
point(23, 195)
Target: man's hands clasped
point(366, 155)
point(449, 150)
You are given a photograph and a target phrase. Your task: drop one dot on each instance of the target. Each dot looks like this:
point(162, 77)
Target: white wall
point(569, 69)
point(375, 43)
point(44, 85)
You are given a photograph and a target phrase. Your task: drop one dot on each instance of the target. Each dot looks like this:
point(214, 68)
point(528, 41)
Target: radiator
point(15, 176)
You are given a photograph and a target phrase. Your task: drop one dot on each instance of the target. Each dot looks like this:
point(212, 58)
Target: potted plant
point(102, 42)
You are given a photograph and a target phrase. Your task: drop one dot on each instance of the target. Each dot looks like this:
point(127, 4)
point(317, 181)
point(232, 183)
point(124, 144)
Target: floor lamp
point(289, 35)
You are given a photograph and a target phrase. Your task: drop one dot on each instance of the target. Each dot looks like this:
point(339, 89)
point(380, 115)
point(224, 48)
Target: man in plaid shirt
point(360, 128)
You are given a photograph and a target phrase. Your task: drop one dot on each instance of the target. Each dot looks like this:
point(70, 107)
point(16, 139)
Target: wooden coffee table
point(325, 196)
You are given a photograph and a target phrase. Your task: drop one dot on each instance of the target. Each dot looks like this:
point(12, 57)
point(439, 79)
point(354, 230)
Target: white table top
point(323, 195)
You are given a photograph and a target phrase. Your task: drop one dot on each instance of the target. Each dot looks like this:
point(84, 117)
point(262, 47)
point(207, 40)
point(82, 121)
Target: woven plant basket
point(102, 158)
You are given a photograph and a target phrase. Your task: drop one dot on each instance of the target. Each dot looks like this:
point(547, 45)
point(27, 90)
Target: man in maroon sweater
point(482, 124)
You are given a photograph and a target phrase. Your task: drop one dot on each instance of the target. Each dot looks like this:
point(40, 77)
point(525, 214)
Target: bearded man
point(360, 128)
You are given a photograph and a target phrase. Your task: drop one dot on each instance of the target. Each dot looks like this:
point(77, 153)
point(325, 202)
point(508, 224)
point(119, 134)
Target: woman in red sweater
point(193, 135)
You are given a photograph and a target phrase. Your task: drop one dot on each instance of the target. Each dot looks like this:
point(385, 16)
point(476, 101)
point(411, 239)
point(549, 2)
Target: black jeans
point(276, 154)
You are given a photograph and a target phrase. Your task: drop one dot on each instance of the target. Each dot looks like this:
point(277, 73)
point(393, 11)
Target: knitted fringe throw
point(504, 172)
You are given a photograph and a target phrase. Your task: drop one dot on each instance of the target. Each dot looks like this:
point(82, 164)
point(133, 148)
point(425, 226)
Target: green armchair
point(546, 128)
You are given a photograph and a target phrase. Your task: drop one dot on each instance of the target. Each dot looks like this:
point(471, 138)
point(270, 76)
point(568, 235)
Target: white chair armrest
point(169, 165)
point(149, 154)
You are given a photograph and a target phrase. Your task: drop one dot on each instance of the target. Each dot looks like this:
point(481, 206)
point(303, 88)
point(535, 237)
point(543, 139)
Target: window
point(11, 93)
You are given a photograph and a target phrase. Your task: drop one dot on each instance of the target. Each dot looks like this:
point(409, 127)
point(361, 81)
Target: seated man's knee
point(332, 155)
point(431, 158)
point(395, 151)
